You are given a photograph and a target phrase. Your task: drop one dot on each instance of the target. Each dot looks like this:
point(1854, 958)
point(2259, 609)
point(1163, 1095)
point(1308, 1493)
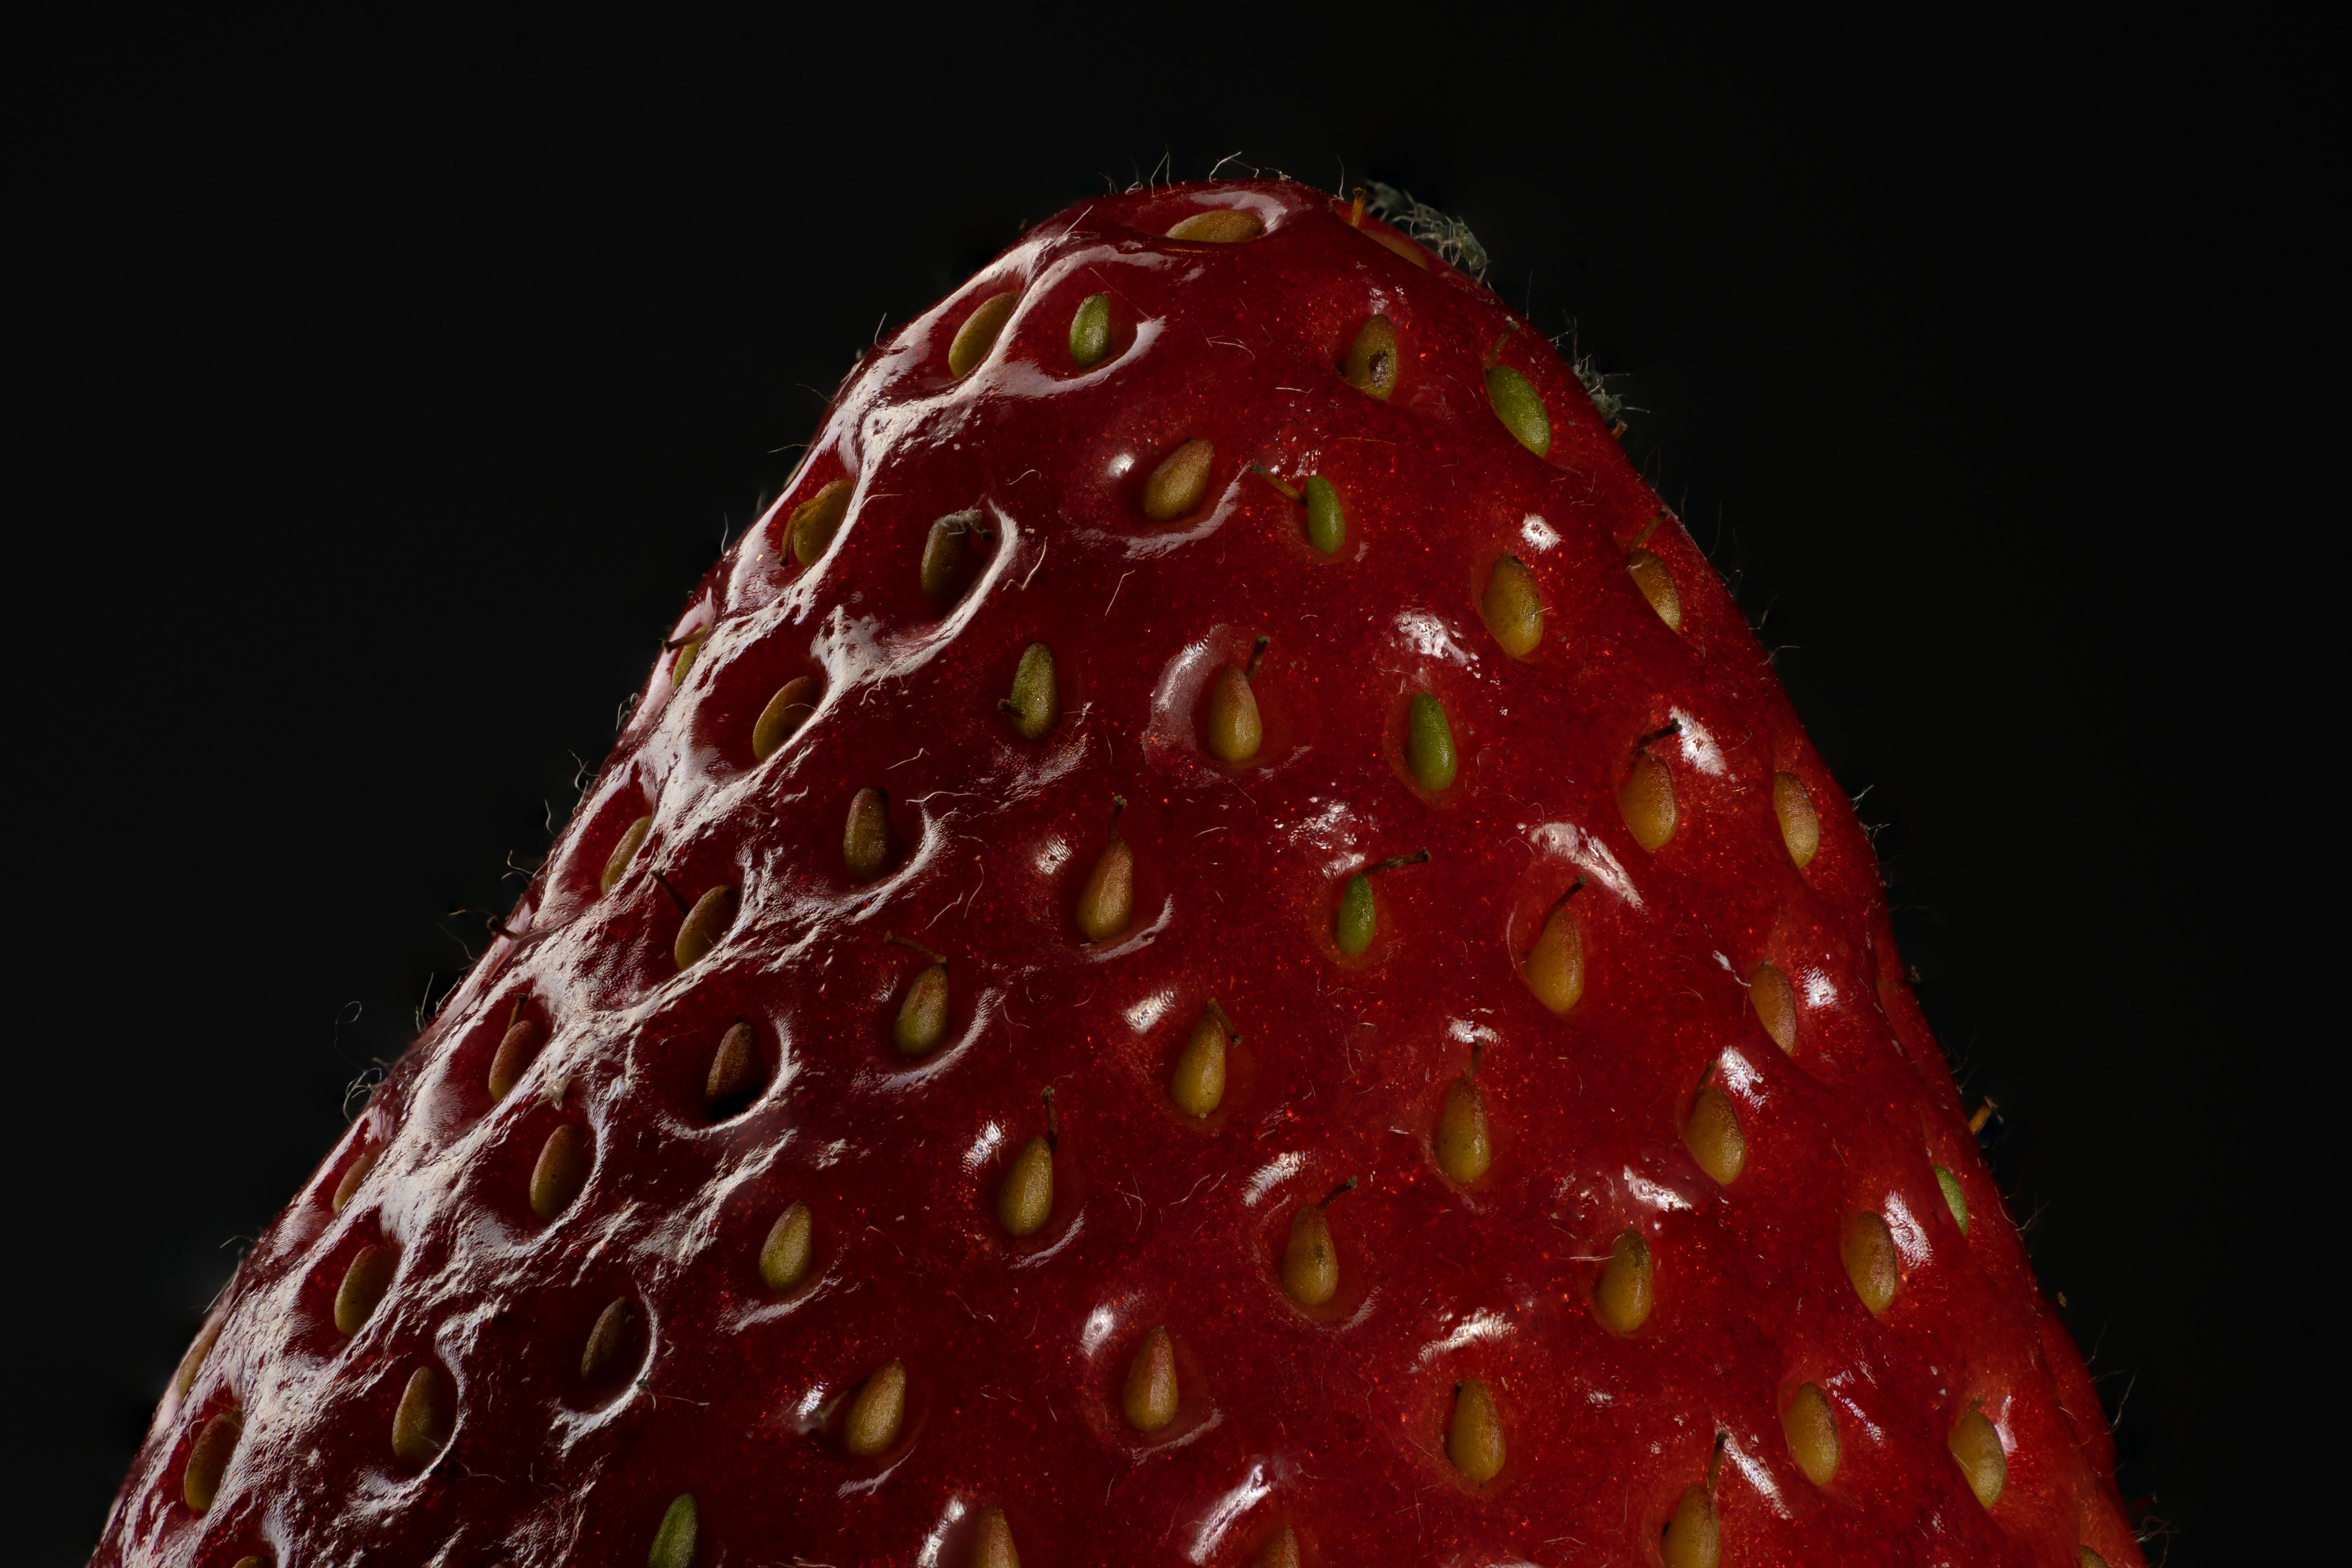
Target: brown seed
point(1622, 1298)
point(950, 558)
point(980, 331)
point(1180, 483)
point(516, 1047)
point(1801, 829)
point(877, 1413)
point(785, 1256)
point(1712, 1136)
point(1871, 1260)
point(1465, 1148)
point(1037, 701)
point(1371, 362)
point(1975, 1444)
point(1555, 965)
point(1219, 225)
point(1647, 799)
point(420, 1427)
point(734, 1069)
point(865, 835)
point(608, 1342)
point(1657, 585)
point(1692, 1538)
point(923, 1013)
point(1475, 1442)
point(208, 1459)
point(1198, 1084)
point(633, 839)
point(705, 925)
point(2087, 1558)
point(192, 1363)
point(561, 1171)
point(1280, 1551)
point(992, 1542)
point(1775, 1000)
point(1310, 1265)
point(816, 520)
point(1234, 730)
point(793, 706)
point(1513, 609)
point(1812, 1428)
point(1025, 1202)
point(1108, 901)
point(1149, 1400)
point(353, 1175)
point(365, 1280)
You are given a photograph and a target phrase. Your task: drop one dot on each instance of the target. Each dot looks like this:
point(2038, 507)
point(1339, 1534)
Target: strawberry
point(1213, 943)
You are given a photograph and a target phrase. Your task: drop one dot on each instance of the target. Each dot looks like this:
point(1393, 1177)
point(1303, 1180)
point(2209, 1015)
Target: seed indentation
point(1180, 483)
point(1801, 828)
point(980, 331)
point(992, 1542)
point(734, 1074)
point(1310, 1263)
point(1234, 732)
point(633, 839)
point(922, 1021)
point(516, 1047)
point(1622, 1298)
point(192, 1363)
point(1149, 1400)
point(1513, 608)
point(1555, 965)
point(705, 925)
point(950, 558)
point(561, 1172)
point(353, 1175)
point(420, 1426)
point(208, 1459)
point(1106, 902)
point(1812, 1428)
point(1280, 1551)
point(1976, 1444)
point(793, 706)
point(1871, 1260)
point(1474, 1441)
point(365, 1280)
point(1464, 1147)
point(1357, 921)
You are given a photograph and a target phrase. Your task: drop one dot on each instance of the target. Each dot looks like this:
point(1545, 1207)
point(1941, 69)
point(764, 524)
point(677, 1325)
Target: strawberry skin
point(941, 1100)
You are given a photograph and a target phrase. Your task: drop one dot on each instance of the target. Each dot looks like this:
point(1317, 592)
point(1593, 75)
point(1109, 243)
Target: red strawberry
point(1213, 944)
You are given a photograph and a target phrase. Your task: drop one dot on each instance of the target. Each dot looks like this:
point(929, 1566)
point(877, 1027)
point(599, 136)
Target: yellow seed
point(705, 925)
point(516, 1048)
point(865, 835)
point(258, 1560)
point(1108, 901)
point(192, 1363)
point(1221, 225)
point(1037, 701)
point(793, 706)
point(1714, 1137)
point(561, 1172)
point(1513, 610)
point(1812, 1428)
point(992, 1542)
point(877, 1413)
point(1975, 1444)
point(1280, 1551)
point(608, 1342)
point(2087, 1558)
point(1801, 829)
point(1647, 799)
point(1025, 1202)
point(633, 839)
point(1198, 1084)
point(1775, 1000)
point(980, 331)
point(679, 1533)
point(922, 1013)
point(1955, 1198)
point(208, 1459)
point(353, 1175)
point(1149, 1400)
point(1180, 483)
point(1622, 1298)
point(1310, 1265)
point(816, 520)
point(1692, 1538)
point(734, 1069)
point(949, 559)
point(1871, 1260)
point(1657, 585)
point(1555, 965)
point(364, 1283)
point(1475, 1442)
point(420, 1427)
point(785, 1256)
point(685, 659)
point(1234, 730)
point(1371, 362)
point(1464, 1147)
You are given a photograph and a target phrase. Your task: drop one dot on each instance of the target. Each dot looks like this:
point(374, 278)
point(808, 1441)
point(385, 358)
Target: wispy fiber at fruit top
point(1441, 232)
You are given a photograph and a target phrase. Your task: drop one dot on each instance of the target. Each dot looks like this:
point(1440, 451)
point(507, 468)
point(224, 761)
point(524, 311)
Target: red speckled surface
point(1331, 1421)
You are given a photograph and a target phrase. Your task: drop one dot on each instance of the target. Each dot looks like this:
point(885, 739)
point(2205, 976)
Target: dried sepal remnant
point(422, 1423)
point(1871, 1261)
point(679, 1536)
point(633, 839)
point(1371, 362)
point(1036, 704)
point(980, 331)
point(1473, 1440)
point(1181, 483)
point(1520, 407)
point(877, 1414)
point(1775, 1000)
point(790, 1248)
point(815, 521)
point(1219, 226)
point(208, 1459)
point(1714, 1136)
point(1622, 1298)
point(1801, 827)
point(1977, 1449)
point(561, 1172)
point(793, 705)
point(365, 1280)
point(1811, 1426)
point(705, 926)
point(1693, 1538)
point(1197, 1083)
point(1512, 607)
point(1148, 1399)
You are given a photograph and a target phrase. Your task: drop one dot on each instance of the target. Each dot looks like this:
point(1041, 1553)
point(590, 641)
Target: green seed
point(1371, 362)
point(1954, 1199)
point(1326, 525)
point(1037, 701)
point(923, 1015)
point(980, 331)
point(1519, 408)
point(1429, 743)
point(1090, 331)
point(1358, 916)
point(675, 1541)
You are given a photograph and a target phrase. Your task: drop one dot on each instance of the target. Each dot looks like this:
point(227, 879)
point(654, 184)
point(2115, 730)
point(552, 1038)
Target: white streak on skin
point(1645, 1191)
point(1227, 1510)
point(1272, 1175)
point(1910, 1235)
point(1541, 535)
point(1052, 857)
point(991, 1138)
point(1566, 841)
point(1475, 1327)
point(1699, 749)
point(1425, 635)
point(1144, 1013)
point(1099, 1325)
point(1758, 1476)
point(936, 1542)
point(1819, 990)
point(1742, 1077)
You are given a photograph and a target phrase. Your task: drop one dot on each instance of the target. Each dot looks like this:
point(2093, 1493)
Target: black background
point(390, 392)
